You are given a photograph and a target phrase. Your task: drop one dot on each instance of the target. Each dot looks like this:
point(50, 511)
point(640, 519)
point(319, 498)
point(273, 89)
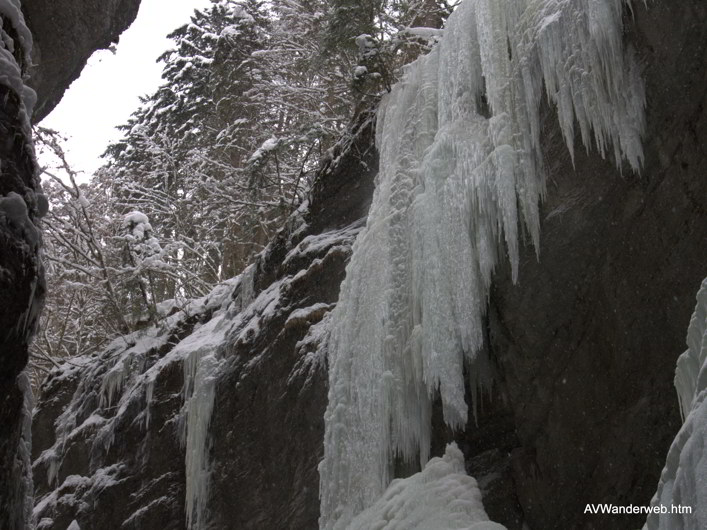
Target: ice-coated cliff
point(461, 176)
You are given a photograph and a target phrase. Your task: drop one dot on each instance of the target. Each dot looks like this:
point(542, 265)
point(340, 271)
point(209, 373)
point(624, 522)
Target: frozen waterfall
point(461, 173)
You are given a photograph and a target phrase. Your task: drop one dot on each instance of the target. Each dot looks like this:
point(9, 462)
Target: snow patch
point(441, 497)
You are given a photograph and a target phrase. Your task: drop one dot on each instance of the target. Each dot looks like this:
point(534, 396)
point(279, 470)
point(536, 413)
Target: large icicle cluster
point(459, 142)
point(683, 481)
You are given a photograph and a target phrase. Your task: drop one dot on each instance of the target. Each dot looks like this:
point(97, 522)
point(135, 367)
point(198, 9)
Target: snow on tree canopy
point(460, 170)
point(135, 218)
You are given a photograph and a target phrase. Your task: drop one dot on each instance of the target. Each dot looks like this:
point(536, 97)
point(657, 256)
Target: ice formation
point(200, 368)
point(683, 481)
point(461, 173)
point(441, 497)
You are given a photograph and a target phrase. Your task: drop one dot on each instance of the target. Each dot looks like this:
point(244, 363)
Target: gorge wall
point(217, 412)
point(64, 34)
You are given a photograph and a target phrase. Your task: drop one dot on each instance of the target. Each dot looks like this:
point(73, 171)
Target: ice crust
point(461, 174)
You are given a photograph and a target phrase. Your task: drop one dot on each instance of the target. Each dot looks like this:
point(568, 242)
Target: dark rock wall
point(585, 344)
point(66, 33)
point(105, 464)
point(21, 282)
point(119, 463)
point(268, 422)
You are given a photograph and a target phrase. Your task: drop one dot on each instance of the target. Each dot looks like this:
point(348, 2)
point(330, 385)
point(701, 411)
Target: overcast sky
point(108, 90)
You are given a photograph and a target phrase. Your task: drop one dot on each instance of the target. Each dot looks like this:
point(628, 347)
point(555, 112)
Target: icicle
point(149, 391)
point(113, 381)
point(460, 167)
point(200, 380)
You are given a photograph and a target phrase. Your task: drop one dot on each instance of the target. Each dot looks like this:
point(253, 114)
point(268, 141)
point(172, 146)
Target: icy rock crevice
point(683, 481)
point(460, 172)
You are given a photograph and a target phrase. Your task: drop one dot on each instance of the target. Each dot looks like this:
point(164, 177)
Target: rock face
point(66, 33)
point(107, 429)
point(586, 343)
point(21, 281)
point(582, 350)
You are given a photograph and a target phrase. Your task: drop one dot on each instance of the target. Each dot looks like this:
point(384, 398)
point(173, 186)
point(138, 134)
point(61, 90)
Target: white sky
point(109, 87)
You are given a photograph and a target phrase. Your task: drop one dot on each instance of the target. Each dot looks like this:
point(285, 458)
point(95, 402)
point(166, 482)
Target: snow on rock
point(683, 481)
point(440, 497)
point(125, 374)
point(318, 243)
point(460, 170)
point(11, 74)
point(13, 210)
point(117, 387)
point(74, 491)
